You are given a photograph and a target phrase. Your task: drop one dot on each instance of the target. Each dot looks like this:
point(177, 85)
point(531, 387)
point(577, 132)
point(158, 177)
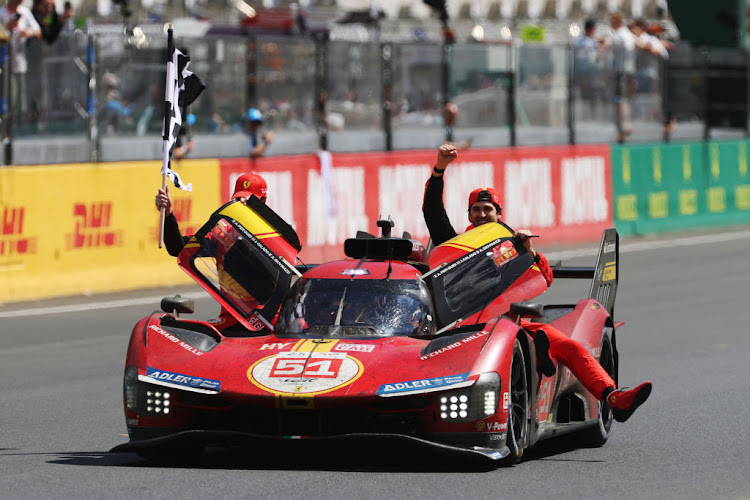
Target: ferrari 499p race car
point(386, 344)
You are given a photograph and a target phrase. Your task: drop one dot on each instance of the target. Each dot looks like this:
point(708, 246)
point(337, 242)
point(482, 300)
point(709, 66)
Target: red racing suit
point(561, 347)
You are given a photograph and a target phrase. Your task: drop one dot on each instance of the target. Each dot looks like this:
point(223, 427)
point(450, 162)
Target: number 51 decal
point(306, 368)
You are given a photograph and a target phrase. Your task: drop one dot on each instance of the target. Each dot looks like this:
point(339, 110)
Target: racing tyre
point(598, 434)
point(518, 411)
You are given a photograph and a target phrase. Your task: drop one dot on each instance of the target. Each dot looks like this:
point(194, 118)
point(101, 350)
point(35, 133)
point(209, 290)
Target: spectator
point(19, 22)
point(669, 122)
point(586, 69)
point(115, 114)
point(623, 44)
point(648, 59)
point(258, 145)
point(450, 116)
point(184, 146)
point(49, 21)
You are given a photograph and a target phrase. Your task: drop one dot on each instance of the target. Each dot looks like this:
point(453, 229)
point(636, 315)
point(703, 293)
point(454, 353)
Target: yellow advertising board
point(85, 228)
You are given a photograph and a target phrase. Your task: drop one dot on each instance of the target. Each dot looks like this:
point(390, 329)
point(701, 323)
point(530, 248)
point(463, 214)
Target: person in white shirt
point(649, 58)
point(20, 24)
point(623, 44)
point(587, 69)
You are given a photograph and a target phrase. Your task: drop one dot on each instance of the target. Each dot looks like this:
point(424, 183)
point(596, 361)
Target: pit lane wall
point(680, 186)
point(88, 228)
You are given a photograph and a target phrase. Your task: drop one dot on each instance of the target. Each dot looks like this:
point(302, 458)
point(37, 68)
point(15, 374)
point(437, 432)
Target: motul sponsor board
point(561, 193)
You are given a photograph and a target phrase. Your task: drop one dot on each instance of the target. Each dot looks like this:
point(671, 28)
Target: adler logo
point(610, 247)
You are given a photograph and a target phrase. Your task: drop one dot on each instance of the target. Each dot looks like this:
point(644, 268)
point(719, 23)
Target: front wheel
point(518, 410)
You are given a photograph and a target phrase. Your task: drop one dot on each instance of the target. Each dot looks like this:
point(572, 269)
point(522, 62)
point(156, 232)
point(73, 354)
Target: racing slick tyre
point(598, 434)
point(518, 410)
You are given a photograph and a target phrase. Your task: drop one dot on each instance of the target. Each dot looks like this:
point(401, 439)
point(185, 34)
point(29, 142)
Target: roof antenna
point(386, 225)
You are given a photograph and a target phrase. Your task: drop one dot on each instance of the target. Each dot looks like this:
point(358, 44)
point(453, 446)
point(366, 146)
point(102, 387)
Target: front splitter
point(235, 438)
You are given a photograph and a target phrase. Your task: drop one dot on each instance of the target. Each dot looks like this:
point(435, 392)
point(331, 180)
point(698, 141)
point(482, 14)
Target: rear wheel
point(598, 434)
point(518, 410)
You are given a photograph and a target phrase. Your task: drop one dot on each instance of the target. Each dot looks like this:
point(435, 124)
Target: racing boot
point(541, 346)
point(624, 402)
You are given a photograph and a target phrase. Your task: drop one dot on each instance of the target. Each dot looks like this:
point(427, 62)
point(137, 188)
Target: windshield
point(356, 308)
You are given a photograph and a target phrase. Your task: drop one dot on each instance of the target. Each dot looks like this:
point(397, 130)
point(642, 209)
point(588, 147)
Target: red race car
point(384, 344)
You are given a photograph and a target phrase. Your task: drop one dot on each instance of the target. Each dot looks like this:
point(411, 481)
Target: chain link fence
point(344, 96)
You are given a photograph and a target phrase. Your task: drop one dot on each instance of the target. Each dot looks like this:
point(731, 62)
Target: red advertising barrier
point(562, 193)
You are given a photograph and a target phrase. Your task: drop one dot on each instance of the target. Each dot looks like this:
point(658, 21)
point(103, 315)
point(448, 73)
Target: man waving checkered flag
point(182, 88)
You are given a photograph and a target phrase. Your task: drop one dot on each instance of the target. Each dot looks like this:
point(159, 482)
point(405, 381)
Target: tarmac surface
point(686, 304)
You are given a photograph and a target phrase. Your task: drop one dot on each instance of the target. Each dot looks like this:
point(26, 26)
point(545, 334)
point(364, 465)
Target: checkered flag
point(182, 88)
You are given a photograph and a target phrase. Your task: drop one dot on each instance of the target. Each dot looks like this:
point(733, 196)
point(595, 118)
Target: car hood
point(325, 369)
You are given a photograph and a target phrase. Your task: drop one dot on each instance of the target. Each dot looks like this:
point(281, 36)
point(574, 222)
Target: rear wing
point(604, 276)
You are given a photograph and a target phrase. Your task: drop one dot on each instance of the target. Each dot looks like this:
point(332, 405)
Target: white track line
point(91, 306)
point(561, 255)
point(641, 246)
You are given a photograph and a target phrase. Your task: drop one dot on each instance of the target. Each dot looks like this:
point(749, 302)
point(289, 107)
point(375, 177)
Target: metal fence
point(345, 96)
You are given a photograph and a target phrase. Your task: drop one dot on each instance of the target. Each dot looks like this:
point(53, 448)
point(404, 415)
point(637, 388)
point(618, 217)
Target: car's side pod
point(604, 276)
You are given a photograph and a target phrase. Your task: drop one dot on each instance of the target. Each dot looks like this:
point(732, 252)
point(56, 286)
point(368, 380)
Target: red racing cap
point(485, 194)
point(250, 184)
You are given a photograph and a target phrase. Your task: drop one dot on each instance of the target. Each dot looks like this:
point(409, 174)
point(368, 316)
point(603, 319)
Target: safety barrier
point(88, 228)
point(84, 228)
point(671, 187)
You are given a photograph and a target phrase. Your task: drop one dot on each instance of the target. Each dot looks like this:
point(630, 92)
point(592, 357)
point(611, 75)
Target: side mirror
point(520, 310)
point(178, 305)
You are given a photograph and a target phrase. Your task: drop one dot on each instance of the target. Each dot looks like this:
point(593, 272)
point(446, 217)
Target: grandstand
point(386, 11)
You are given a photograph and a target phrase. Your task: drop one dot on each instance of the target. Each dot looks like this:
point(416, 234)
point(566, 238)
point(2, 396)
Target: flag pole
point(168, 97)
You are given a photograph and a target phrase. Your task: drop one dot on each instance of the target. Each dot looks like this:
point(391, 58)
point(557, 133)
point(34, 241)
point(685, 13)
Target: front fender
point(139, 341)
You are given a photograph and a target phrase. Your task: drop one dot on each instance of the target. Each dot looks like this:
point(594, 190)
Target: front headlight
point(157, 402)
point(471, 403)
point(145, 399)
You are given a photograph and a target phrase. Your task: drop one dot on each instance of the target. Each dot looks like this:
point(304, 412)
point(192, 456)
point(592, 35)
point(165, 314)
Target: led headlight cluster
point(490, 403)
point(455, 406)
point(145, 399)
point(472, 403)
point(157, 402)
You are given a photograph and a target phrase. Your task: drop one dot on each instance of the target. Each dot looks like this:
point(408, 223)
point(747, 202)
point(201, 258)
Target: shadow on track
point(316, 456)
point(551, 449)
point(298, 455)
